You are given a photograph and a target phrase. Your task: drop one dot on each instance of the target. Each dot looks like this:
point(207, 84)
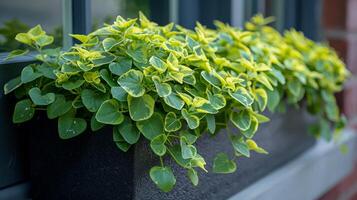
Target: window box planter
point(91, 167)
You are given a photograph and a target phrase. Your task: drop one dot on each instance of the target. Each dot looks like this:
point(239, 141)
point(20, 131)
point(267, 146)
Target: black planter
point(91, 167)
point(13, 138)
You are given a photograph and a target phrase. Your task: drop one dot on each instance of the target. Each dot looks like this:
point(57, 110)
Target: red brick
point(352, 54)
point(340, 46)
point(351, 17)
point(350, 99)
point(334, 14)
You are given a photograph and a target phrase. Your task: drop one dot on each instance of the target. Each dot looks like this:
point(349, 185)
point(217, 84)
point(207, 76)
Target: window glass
point(106, 11)
point(21, 15)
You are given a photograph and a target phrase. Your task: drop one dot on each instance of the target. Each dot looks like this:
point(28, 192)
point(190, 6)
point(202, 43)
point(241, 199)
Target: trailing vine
point(171, 85)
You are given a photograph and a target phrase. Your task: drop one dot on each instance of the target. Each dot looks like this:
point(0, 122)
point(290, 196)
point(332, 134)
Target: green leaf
point(192, 121)
point(158, 64)
point(172, 123)
point(92, 100)
point(129, 132)
point(121, 66)
point(119, 141)
point(119, 93)
point(109, 43)
point(106, 58)
point(241, 120)
point(192, 175)
point(163, 89)
point(23, 112)
point(223, 165)
point(12, 85)
point(16, 53)
point(28, 74)
point(294, 87)
point(71, 85)
point(249, 133)
point(81, 38)
point(262, 98)
point(43, 40)
point(242, 96)
point(217, 101)
point(59, 107)
point(24, 38)
point(262, 78)
point(131, 82)
point(109, 113)
point(138, 53)
point(278, 75)
point(46, 70)
point(69, 127)
point(187, 150)
point(273, 99)
point(211, 123)
point(163, 178)
point(240, 146)
point(174, 101)
point(141, 108)
point(157, 145)
point(211, 79)
point(95, 125)
point(104, 73)
point(151, 127)
point(39, 99)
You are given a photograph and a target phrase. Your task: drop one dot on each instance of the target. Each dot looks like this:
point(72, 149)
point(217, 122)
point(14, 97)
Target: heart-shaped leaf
point(172, 123)
point(241, 120)
point(223, 165)
point(157, 145)
point(131, 83)
point(242, 96)
point(59, 107)
point(23, 112)
point(211, 79)
point(39, 99)
point(192, 121)
point(105, 58)
point(158, 64)
point(71, 85)
point(129, 131)
point(119, 93)
point(163, 178)
point(92, 100)
point(249, 133)
point(138, 53)
point(217, 101)
point(109, 113)
point(151, 127)
point(109, 43)
point(174, 101)
point(28, 74)
point(121, 66)
point(141, 108)
point(163, 89)
point(69, 127)
point(239, 145)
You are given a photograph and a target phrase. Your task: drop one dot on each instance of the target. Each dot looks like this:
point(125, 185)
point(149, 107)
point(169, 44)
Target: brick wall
point(339, 21)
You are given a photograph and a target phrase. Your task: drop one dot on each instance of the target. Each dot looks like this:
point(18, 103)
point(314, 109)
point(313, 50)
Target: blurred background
point(330, 21)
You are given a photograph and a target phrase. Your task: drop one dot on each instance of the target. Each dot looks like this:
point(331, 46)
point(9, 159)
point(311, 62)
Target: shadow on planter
point(91, 167)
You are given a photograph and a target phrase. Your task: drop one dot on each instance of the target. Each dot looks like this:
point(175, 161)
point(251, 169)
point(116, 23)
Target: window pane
point(107, 11)
point(20, 15)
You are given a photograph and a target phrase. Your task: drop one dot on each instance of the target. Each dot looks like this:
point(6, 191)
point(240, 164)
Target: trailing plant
point(171, 85)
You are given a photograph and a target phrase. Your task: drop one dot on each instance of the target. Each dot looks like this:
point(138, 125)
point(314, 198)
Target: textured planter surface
point(91, 167)
point(13, 138)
